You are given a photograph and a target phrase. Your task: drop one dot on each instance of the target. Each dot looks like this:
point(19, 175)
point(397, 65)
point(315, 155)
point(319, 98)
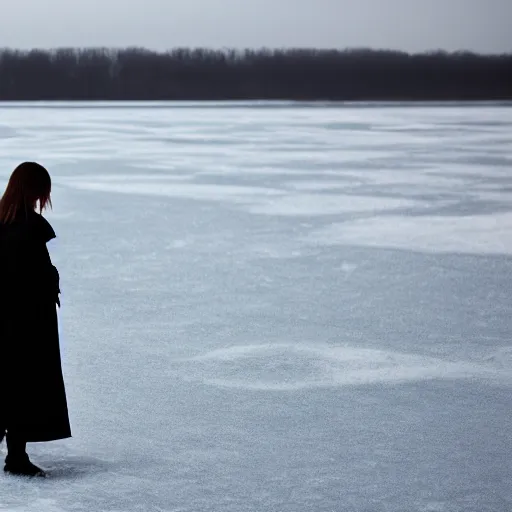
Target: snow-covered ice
point(277, 307)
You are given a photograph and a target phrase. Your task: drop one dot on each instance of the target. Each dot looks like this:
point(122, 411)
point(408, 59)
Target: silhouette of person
point(33, 405)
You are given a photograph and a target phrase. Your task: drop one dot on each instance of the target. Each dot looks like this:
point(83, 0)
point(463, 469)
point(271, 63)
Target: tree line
point(265, 74)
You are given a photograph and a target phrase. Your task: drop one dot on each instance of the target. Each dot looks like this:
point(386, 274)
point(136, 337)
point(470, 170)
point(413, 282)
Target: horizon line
point(346, 49)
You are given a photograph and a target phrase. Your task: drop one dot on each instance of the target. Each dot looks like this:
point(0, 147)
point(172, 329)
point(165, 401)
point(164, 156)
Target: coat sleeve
point(47, 272)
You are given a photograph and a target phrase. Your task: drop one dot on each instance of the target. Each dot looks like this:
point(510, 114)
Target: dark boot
point(17, 461)
point(21, 466)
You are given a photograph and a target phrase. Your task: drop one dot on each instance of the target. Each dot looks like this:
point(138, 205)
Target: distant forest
point(294, 74)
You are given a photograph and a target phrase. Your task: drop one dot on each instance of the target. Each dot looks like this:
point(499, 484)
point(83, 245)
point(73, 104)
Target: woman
point(33, 405)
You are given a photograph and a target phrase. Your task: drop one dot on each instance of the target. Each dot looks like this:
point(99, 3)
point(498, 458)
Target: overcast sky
point(411, 25)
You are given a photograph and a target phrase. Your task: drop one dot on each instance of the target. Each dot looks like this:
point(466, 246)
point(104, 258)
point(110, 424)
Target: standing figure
point(33, 406)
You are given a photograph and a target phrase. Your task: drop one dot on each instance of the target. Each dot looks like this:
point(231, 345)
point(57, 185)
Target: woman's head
point(28, 185)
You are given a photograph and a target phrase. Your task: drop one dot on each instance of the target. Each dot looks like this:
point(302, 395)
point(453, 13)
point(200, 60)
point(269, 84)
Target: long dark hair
point(29, 183)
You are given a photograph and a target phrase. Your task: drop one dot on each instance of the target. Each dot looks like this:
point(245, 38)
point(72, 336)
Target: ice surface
point(295, 366)
point(478, 234)
point(283, 307)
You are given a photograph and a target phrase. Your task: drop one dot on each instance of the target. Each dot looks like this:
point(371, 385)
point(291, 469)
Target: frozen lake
point(277, 308)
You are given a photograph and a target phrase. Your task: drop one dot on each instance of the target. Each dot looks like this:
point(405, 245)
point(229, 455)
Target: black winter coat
point(32, 394)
